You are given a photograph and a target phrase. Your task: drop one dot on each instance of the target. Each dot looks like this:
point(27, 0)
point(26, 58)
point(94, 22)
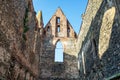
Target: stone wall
point(27, 50)
point(18, 60)
point(49, 69)
point(91, 10)
point(99, 45)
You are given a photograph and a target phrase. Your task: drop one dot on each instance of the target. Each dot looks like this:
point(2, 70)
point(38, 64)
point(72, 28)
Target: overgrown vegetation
point(26, 28)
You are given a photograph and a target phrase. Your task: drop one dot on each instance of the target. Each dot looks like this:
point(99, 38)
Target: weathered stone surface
point(17, 23)
point(49, 69)
point(27, 49)
point(99, 48)
point(105, 32)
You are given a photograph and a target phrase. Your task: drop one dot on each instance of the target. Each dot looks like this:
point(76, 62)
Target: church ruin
point(30, 51)
point(58, 31)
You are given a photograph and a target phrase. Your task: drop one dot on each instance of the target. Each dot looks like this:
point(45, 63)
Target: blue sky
point(73, 9)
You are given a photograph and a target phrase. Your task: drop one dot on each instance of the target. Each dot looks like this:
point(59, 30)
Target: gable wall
point(49, 68)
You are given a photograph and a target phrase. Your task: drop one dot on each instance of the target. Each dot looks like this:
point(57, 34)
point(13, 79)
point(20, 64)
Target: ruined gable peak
point(59, 26)
point(59, 12)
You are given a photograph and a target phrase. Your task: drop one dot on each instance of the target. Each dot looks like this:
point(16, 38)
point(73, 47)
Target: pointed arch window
point(58, 52)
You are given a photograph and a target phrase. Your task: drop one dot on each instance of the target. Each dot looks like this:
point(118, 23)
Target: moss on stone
point(26, 28)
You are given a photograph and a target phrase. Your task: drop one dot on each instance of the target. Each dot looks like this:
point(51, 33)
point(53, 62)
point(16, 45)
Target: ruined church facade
point(58, 30)
point(29, 50)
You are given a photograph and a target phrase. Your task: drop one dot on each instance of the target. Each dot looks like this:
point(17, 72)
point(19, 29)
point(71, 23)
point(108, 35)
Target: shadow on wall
point(99, 55)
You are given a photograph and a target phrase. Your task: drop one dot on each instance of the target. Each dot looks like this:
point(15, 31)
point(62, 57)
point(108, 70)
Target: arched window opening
point(58, 20)
point(57, 25)
point(68, 32)
point(58, 28)
point(58, 52)
point(75, 35)
point(48, 28)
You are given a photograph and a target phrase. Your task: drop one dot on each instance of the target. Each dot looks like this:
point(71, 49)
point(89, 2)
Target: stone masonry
point(58, 29)
point(18, 59)
point(98, 41)
point(28, 48)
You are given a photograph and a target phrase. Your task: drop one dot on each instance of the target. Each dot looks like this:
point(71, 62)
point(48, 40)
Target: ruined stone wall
point(18, 60)
point(49, 69)
point(91, 10)
point(99, 51)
